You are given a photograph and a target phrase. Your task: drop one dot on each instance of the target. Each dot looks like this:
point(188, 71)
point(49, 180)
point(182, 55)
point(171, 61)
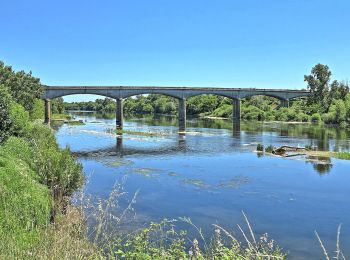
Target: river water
point(212, 174)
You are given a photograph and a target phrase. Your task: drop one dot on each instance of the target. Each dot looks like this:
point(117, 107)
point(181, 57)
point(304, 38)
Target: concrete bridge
point(181, 93)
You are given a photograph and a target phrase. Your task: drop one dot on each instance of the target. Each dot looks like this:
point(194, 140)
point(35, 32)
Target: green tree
point(57, 106)
point(318, 84)
point(23, 87)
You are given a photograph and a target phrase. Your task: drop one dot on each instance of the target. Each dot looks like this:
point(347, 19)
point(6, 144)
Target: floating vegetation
point(172, 174)
point(74, 122)
point(260, 148)
point(61, 117)
point(147, 172)
point(235, 182)
point(118, 162)
point(341, 155)
point(195, 182)
point(149, 134)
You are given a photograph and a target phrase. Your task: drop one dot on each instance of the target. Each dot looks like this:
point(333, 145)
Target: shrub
point(329, 118)
point(316, 118)
point(302, 117)
point(19, 118)
point(253, 113)
point(38, 110)
point(223, 111)
point(56, 168)
point(270, 116)
point(260, 148)
point(5, 117)
point(269, 149)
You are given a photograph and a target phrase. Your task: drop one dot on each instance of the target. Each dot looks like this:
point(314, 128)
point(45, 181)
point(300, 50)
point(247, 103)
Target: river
point(212, 174)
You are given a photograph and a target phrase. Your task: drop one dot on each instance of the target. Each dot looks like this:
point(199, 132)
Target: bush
point(19, 118)
point(270, 116)
point(223, 111)
point(253, 113)
point(38, 110)
point(269, 149)
point(302, 117)
point(5, 117)
point(329, 118)
point(316, 118)
point(260, 148)
point(56, 168)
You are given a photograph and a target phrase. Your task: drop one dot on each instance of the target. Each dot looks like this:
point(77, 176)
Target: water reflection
point(211, 174)
point(321, 164)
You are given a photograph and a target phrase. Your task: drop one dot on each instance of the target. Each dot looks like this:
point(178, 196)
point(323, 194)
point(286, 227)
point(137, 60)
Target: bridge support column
point(119, 114)
point(285, 103)
point(236, 112)
point(47, 111)
point(182, 115)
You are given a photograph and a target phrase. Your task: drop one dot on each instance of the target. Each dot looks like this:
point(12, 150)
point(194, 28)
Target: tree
point(318, 84)
point(23, 87)
point(57, 106)
point(339, 90)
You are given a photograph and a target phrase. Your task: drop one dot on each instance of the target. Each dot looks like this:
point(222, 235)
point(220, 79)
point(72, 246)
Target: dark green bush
point(260, 148)
point(5, 117)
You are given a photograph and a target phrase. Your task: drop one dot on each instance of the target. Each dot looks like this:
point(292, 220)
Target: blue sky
point(227, 43)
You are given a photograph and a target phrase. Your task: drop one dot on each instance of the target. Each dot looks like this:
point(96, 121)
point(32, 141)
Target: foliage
point(316, 118)
point(5, 117)
point(341, 155)
point(25, 204)
point(57, 106)
point(318, 84)
point(23, 87)
point(56, 168)
point(260, 148)
point(223, 111)
point(322, 91)
point(20, 119)
point(163, 241)
point(38, 110)
point(269, 149)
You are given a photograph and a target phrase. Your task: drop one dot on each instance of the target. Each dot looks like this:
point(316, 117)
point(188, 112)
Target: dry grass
point(65, 239)
point(338, 253)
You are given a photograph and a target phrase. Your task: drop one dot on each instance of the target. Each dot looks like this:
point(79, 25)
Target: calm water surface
point(213, 173)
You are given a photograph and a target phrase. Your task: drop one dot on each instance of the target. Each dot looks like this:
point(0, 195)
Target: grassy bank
point(341, 155)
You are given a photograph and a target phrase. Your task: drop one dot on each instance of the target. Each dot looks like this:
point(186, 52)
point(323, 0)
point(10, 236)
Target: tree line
point(329, 102)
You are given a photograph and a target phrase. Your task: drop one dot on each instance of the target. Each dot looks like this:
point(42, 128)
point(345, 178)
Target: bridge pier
point(285, 103)
point(182, 115)
point(236, 110)
point(119, 114)
point(47, 111)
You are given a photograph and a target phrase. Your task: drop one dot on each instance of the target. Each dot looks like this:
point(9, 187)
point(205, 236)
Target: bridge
point(181, 93)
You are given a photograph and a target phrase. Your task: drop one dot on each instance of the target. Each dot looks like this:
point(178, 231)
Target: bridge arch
point(181, 93)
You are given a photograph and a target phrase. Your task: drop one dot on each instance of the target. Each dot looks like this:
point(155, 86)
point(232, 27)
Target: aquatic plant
point(260, 148)
point(341, 155)
point(269, 149)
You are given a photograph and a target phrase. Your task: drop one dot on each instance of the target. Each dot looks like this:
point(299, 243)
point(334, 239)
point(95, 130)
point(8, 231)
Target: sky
point(222, 43)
